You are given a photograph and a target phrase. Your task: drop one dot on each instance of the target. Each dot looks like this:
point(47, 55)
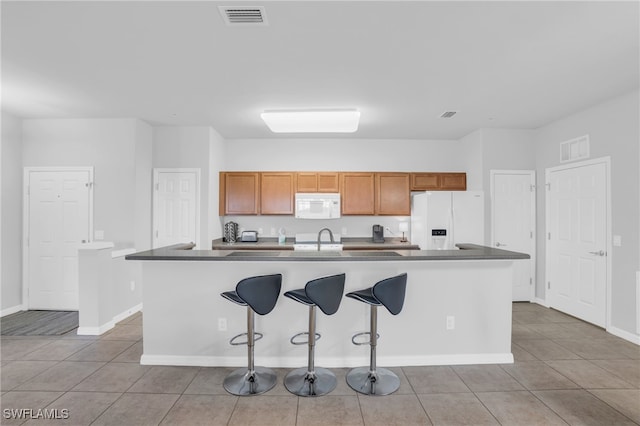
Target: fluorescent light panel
point(312, 121)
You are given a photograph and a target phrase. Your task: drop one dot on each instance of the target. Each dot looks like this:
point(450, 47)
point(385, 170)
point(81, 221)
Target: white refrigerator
point(441, 219)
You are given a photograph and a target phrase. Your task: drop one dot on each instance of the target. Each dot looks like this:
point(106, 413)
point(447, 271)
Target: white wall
point(11, 212)
point(613, 128)
point(109, 145)
point(217, 148)
point(348, 155)
point(143, 185)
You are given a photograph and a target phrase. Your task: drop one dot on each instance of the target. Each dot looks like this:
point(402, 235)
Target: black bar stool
point(259, 294)
point(390, 294)
point(325, 293)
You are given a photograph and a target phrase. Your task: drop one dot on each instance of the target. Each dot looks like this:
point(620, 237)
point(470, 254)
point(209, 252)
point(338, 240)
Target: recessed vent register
point(241, 15)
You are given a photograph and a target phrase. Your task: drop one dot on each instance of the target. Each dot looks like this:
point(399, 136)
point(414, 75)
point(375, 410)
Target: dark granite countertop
point(183, 252)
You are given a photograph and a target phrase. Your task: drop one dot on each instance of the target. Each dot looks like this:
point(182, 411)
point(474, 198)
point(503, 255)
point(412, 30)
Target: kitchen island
point(187, 322)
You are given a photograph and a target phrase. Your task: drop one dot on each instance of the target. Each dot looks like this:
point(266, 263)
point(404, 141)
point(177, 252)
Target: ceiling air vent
point(243, 15)
point(448, 114)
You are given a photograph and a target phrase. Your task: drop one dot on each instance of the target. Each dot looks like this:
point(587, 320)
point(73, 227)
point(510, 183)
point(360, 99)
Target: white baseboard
point(542, 302)
point(127, 313)
point(97, 331)
point(633, 338)
point(11, 310)
point(294, 362)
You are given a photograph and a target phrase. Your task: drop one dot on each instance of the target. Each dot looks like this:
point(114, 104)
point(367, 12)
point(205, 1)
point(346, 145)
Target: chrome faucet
point(320, 234)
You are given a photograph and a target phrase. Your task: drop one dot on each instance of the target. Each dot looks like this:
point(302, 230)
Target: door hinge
point(156, 234)
point(532, 188)
point(548, 185)
point(530, 281)
point(548, 235)
point(531, 234)
point(157, 186)
point(548, 285)
point(28, 190)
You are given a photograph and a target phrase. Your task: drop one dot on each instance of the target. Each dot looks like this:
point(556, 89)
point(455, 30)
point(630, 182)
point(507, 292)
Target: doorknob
point(598, 253)
point(500, 245)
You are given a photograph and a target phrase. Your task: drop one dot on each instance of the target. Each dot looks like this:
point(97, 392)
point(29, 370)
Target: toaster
point(249, 237)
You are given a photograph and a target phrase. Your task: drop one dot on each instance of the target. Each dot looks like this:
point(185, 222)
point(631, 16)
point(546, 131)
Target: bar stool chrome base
point(302, 383)
point(240, 382)
point(385, 382)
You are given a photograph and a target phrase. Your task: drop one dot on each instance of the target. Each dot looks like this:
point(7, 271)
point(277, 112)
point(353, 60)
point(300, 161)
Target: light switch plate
point(617, 240)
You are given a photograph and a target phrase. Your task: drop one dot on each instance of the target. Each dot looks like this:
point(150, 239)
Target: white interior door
point(59, 219)
point(577, 241)
point(513, 222)
point(176, 206)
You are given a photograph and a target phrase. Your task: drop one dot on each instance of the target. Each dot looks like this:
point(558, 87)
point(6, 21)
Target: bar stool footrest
point(364, 333)
point(304, 333)
point(256, 337)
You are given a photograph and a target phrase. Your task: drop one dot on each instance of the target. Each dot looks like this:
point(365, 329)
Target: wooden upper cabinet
point(317, 182)
point(277, 191)
point(393, 196)
point(239, 193)
point(454, 181)
point(438, 181)
point(425, 181)
point(357, 193)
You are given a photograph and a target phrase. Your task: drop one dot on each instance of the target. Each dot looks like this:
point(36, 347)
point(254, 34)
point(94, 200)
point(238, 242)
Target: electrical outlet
point(133, 285)
point(222, 324)
point(273, 231)
point(451, 322)
point(260, 231)
point(344, 230)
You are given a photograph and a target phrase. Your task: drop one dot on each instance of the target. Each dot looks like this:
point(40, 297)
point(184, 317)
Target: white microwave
point(317, 205)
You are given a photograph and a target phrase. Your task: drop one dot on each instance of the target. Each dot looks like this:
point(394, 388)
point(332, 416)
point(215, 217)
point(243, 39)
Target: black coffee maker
point(378, 234)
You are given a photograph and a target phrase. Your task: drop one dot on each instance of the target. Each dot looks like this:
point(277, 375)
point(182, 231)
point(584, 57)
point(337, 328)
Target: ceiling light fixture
point(312, 121)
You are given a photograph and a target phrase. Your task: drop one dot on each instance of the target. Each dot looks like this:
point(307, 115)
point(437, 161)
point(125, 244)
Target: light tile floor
point(566, 372)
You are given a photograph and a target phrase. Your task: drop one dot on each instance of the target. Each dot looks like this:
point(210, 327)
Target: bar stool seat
point(259, 294)
point(389, 293)
point(325, 293)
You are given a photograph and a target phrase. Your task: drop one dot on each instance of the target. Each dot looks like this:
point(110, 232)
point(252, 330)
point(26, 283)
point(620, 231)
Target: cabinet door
point(239, 193)
point(317, 182)
point(276, 192)
point(306, 182)
point(328, 182)
point(425, 181)
point(453, 181)
point(357, 192)
point(393, 196)
point(438, 181)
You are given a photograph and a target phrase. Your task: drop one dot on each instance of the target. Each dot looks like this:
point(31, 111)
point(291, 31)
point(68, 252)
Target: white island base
point(183, 311)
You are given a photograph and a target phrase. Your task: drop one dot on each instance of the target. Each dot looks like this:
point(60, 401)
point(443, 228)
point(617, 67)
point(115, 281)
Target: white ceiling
point(401, 63)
